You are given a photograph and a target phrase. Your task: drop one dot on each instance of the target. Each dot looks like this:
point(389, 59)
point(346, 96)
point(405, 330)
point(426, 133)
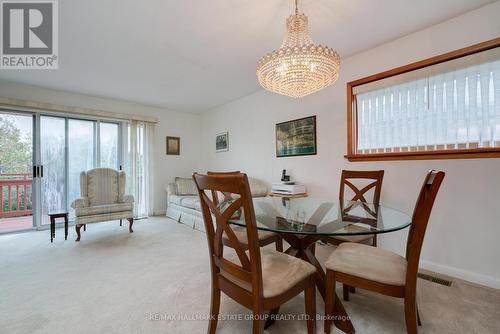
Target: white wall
point(171, 123)
point(462, 237)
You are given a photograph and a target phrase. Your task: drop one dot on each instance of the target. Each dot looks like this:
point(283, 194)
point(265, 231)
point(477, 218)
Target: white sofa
point(183, 204)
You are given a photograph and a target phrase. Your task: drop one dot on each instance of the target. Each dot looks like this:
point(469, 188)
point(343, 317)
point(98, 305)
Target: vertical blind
point(457, 109)
point(138, 158)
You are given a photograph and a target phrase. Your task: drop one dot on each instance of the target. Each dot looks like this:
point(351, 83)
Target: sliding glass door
point(81, 155)
point(16, 171)
point(108, 147)
point(52, 166)
point(42, 156)
point(69, 146)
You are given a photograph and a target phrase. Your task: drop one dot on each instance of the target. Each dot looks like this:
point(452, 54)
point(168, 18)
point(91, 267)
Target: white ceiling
point(195, 55)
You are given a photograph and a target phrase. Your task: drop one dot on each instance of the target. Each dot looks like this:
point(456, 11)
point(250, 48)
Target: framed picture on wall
point(222, 142)
point(173, 145)
point(296, 137)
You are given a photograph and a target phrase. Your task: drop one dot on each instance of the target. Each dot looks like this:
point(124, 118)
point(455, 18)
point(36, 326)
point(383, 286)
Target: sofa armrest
point(257, 187)
point(171, 189)
point(81, 202)
point(128, 199)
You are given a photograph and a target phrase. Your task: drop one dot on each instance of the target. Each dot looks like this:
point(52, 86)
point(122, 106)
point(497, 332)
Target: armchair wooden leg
point(330, 300)
point(310, 299)
point(214, 310)
point(279, 245)
point(130, 222)
point(77, 228)
point(418, 318)
point(345, 292)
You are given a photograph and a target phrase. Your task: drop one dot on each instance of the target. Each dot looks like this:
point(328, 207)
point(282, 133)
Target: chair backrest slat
point(420, 219)
point(234, 183)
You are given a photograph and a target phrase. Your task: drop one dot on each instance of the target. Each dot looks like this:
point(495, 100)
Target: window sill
point(428, 155)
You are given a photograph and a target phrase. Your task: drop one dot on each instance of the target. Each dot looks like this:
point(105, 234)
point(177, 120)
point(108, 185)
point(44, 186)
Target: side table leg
point(52, 229)
point(66, 227)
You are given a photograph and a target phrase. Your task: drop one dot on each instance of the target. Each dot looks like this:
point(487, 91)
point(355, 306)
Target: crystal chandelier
point(299, 67)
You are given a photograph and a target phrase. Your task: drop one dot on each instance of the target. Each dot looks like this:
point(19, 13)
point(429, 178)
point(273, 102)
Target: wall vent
point(434, 279)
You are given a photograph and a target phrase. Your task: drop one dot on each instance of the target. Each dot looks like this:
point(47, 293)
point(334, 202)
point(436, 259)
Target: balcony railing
point(15, 195)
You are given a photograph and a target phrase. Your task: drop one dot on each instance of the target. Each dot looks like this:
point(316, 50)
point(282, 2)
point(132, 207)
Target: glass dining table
point(302, 222)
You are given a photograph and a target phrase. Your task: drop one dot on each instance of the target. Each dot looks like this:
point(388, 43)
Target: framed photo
point(222, 142)
point(173, 145)
point(296, 137)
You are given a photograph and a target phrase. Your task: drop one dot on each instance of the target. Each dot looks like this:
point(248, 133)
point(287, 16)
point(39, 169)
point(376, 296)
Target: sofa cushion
point(185, 186)
point(104, 209)
point(192, 202)
point(175, 199)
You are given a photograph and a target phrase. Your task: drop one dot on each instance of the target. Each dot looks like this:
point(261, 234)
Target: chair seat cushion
point(280, 272)
point(103, 209)
point(368, 262)
point(265, 237)
point(354, 238)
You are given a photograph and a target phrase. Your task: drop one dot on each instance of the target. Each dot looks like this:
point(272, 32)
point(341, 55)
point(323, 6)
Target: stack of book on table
point(288, 189)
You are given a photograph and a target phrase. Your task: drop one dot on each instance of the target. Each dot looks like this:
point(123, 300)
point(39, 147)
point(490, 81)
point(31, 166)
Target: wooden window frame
point(352, 133)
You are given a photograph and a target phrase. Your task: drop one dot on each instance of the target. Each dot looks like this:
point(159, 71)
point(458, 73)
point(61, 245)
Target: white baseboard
point(160, 213)
point(489, 281)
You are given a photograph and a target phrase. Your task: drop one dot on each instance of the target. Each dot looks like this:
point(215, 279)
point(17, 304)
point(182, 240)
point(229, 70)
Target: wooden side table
point(53, 216)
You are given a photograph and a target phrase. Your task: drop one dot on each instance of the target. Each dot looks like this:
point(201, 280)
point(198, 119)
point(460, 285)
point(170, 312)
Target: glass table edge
point(259, 228)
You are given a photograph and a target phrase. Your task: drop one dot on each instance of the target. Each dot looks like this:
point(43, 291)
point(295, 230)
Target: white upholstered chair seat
point(280, 272)
point(103, 209)
point(265, 237)
point(368, 262)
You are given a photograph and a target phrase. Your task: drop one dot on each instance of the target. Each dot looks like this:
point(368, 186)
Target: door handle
point(34, 171)
point(41, 170)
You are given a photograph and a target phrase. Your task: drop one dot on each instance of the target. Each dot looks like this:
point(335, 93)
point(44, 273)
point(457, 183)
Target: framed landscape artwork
point(297, 137)
point(222, 142)
point(173, 145)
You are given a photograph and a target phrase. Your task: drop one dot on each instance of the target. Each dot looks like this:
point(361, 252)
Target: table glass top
point(315, 216)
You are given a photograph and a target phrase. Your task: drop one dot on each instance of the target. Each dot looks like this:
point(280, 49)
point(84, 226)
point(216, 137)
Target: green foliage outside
point(15, 150)
point(15, 157)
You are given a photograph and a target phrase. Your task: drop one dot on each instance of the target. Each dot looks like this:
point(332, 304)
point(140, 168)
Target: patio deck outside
point(16, 201)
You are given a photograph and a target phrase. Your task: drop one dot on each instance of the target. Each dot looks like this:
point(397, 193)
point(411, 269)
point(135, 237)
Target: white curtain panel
point(138, 148)
point(149, 166)
point(453, 110)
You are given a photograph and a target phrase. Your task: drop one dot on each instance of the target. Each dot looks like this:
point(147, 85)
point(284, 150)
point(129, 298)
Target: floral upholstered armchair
point(102, 198)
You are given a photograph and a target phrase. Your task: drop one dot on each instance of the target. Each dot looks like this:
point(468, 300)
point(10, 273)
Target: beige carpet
point(116, 282)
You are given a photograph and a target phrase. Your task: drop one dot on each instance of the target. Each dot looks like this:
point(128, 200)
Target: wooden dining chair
point(382, 271)
point(258, 279)
point(369, 180)
point(265, 237)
